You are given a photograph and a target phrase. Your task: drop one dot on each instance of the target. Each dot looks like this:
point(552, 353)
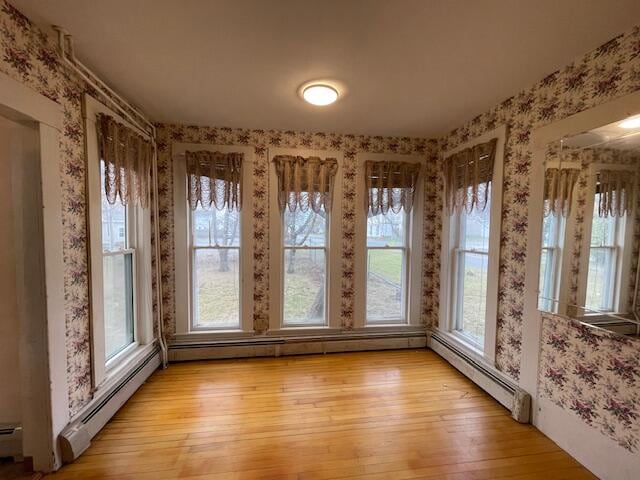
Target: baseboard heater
point(295, 345)
point(507, 393)
point(11, 441)
point(76, 437)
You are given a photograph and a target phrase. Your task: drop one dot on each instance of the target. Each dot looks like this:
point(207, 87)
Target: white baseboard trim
point(76, 436)
point(486, 376)
point(597, 452)
point(184, 349)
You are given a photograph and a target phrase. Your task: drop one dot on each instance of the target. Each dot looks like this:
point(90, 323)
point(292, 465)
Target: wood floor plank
point(389, 415)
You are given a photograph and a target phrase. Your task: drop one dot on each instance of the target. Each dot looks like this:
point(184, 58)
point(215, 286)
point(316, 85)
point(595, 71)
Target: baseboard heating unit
point(76, 437)
point(485, 376)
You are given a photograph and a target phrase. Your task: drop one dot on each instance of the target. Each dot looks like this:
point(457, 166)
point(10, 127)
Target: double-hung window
point(607, 232)
point(118, 279)
point(472, 175)
point(471, 272)
point(213, 237)
point(305, 236)
point(119, 159)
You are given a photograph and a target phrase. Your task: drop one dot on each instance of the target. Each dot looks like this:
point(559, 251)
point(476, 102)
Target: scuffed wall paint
point(261, 140)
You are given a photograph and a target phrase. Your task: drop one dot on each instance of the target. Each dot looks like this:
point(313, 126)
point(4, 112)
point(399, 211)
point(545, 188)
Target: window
point(470, 254)
point(387, 269)
point(470, 269)
point(213, 248)
point(215, 257)
point(119, 246)
point(118, 265)
point(305, 267)
point(552, 239)
point(604, 260)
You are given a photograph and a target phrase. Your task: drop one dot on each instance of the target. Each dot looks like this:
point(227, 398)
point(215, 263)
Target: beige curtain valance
point(127, 158)
point(616, 189)
point(467, 177)
point(305, 183)
point(214, 179)
point(390, 186)
point(559, 184)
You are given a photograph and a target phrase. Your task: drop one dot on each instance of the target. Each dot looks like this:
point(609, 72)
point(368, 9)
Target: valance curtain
point(467, 177)
point(390, 186)
point(559, 184)
point(214, 179)
point(305, 183)
point(616, 189)
point(127, 160)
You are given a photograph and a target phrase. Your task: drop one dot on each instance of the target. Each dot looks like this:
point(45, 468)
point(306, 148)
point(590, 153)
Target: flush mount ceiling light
point(631, 122)
point(319, 94)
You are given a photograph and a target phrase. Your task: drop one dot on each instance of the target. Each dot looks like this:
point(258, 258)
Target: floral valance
point(305, 183)
point(559, 184)
point(127, 158)
point(214, 179)
point(390, 186)
point(467, 177)
point(616, 192)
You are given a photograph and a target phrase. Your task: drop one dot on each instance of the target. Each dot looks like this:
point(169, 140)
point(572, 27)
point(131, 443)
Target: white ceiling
point(411, 67)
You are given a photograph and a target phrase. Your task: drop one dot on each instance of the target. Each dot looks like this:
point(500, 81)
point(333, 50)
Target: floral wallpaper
point(261, 140)
point(610, 71)
point(595, 375)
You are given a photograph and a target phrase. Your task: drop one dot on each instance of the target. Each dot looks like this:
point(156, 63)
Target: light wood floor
point(375, 415)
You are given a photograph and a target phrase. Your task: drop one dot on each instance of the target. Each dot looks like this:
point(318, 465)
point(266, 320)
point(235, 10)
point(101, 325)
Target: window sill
point(120, 365)
point(467, 347)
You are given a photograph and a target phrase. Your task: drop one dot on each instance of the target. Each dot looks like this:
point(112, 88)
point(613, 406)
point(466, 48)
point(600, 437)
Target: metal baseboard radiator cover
point(486, 377)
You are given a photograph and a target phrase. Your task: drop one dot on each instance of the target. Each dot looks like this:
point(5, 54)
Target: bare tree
point(223, 228)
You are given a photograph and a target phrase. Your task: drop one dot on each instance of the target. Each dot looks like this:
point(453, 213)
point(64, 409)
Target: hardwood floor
point(374, 415)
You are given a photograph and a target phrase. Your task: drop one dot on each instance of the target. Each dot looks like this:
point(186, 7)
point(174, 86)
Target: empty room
point(314, 240)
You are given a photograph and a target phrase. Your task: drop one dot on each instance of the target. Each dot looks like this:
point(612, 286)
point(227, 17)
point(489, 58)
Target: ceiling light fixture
point(319, 94)
point(631, 122)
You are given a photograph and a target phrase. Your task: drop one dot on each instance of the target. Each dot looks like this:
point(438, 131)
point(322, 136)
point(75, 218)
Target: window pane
point(385, 285)
point(475, 229)
point(304, 287)
point(546, 285)
point(388, 229)
point(216, 291)
point(603, 229)
point(599, 279)
point(305, 228)
point(472, 295)
point(114, 220)
point(214, 227)
point(118, 302)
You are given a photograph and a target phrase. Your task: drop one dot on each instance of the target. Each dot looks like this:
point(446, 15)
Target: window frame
point(333, 248)
point(557, 250)
point(414, 241)
point(139, 246)
point(182, 242)
point(448, 281)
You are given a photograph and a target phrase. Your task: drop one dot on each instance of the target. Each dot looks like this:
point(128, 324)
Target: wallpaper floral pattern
point(261, 140)
point(595, 375)
point(610, 71)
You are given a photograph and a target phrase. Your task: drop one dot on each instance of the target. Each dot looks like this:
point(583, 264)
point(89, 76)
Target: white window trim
point(141, 232)
point(181, 215)
point(446, 278)
point(414, 246)
point(558, 249)
point(334, 246)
